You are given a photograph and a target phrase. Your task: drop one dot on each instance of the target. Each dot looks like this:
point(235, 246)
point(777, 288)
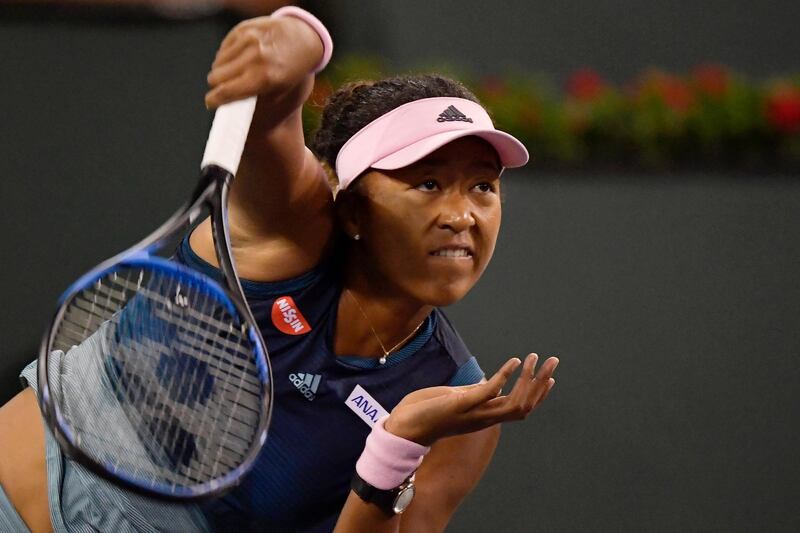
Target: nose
point(455, 213)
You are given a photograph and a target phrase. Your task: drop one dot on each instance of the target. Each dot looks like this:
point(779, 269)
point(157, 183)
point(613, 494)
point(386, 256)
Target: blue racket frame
point(211, 193)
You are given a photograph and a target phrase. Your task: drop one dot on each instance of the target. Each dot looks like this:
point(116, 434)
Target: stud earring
point(356, 237)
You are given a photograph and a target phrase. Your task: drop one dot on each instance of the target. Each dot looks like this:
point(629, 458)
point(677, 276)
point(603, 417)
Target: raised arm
point(280, 207)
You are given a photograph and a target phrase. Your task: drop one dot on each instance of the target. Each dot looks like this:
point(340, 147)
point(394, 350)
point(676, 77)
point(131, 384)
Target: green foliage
point(708, 118)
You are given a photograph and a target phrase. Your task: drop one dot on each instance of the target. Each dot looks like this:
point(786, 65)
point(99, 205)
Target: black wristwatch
point(393, 501)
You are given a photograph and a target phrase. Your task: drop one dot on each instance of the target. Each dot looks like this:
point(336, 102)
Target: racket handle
point(228, 134)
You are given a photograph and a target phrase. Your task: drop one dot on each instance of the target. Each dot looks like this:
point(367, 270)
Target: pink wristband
point(316, 25)
point(388, 460)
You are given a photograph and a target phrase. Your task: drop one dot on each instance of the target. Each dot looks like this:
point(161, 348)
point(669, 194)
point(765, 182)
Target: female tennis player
point(382, 418)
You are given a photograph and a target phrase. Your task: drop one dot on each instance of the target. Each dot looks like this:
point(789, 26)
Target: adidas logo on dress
point(306, 383)
point(452, 114)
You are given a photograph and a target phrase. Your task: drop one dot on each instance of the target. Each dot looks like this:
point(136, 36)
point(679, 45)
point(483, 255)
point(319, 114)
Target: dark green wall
point(102, 129)
point(673, 301)
point(617, 37)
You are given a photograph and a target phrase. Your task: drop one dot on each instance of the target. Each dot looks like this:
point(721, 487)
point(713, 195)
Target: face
point(429, 230)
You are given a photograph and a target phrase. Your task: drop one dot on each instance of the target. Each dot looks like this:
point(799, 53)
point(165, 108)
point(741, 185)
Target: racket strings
point(158, 402)
point(157, 378)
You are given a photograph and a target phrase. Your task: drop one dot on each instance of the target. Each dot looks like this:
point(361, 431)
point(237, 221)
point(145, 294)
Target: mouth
point(453, 252)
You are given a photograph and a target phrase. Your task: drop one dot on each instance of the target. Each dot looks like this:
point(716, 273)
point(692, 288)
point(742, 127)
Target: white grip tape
point(228, 134)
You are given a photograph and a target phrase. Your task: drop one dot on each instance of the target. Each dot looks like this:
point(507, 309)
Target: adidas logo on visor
point(306, 383)
point(451, 114)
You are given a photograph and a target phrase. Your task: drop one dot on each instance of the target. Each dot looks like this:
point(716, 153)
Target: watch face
point(403, 499)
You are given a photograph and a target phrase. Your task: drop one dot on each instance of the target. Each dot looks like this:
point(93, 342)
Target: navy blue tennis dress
point(324, 405)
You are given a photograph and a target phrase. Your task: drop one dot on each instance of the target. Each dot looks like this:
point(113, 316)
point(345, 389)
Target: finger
point(492, 388)
point(495, 403)
point(550, 383)
point(538, 389)
point(247, 83)
point(542, 381)
point(233, 68)
point(522, 385)
point(229, 91)
point(503, 409)
point(231, 52)
point(528, 386)
point(235, 34)
point(526, 376)
point(527, 393)
point(530, 366)
point(468, 387)
point(549, 366)
point(221, 94)
point(546, 370)
point(496, 383)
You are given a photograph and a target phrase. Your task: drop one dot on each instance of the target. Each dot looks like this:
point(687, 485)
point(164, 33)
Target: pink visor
point(408, 133)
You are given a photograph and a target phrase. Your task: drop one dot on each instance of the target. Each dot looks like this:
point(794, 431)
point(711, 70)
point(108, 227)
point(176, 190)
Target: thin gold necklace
point(386, 352)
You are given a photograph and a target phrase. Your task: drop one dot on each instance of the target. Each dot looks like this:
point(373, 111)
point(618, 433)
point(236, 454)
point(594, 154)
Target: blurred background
point(652, 243)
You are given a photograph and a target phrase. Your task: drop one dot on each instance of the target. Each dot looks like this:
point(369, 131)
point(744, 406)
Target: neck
point(393, 317)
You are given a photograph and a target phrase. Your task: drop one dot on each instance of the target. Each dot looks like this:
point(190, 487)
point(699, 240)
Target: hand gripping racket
point(153, 375)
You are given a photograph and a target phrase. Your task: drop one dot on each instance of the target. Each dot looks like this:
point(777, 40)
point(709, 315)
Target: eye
point(485, 187)
point(428, 185)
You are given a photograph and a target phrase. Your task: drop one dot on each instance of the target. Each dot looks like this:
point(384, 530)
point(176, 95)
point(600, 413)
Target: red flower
point(712, 80)
point(585, 85)
point(676, 94)
point(783, 108)
point(494, 87)
point(672, 90)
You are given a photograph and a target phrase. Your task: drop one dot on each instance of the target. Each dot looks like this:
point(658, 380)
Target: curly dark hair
point(357, 104)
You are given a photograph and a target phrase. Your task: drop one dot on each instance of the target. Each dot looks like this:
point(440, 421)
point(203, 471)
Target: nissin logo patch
point(287, 317)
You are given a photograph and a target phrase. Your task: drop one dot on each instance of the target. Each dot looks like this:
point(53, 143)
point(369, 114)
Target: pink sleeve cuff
point(388, 460)
point(316, 25)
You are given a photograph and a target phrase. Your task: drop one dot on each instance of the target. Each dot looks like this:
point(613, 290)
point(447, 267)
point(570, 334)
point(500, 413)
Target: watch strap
point(384, 499)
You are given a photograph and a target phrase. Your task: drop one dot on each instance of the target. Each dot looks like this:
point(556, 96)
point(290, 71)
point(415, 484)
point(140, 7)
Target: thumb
point(484, 392)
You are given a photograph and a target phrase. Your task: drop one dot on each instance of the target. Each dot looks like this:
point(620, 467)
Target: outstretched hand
point(427, 415)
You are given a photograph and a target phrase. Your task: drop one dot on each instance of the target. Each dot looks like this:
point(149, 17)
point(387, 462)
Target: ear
point(348, 212)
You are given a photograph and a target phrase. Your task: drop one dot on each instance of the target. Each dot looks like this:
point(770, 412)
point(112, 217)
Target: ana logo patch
point(365, 406)
point(288, 318)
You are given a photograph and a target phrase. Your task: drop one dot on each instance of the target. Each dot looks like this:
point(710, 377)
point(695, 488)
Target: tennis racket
point(153, 375)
